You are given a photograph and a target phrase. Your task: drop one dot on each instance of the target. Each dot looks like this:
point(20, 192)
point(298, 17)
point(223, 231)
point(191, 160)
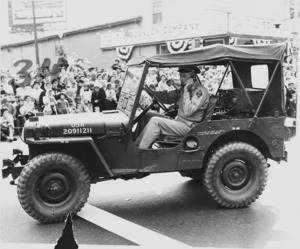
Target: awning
point(215, 53)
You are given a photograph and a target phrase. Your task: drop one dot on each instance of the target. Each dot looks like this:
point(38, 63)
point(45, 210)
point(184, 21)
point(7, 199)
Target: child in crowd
point(49, 103)
point(62, 104)
point(7, 126)
point(111, 99)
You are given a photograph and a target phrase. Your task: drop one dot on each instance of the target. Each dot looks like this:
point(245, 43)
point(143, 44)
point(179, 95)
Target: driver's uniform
point(191, 110)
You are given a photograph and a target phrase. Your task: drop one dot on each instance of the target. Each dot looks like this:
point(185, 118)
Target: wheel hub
point(235, 175)
point(54, 188)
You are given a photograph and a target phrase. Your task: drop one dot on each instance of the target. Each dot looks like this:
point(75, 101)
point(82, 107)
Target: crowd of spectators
point(79, 87)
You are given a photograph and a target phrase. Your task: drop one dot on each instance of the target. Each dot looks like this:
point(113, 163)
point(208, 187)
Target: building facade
point(159, 29)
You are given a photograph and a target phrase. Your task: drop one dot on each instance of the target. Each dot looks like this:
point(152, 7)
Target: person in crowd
point(63, 61)
point(193, 99)
point(48, 86)
point(79, 106)
point(7, 126)
point(291, 87)
point(10, 107)
point(35, 93)
point(151, 77)
point(62, 104)
point(104, 79)
point(55, 88)
point(111, 99)
point(160, 73)
point(118, 91)
point(86, 95)
point(9, 87)
point(2, 90)
point(49, 103)
point(99, 80)
point(3, 79)
point(23, 91)
point(116, 65)
point(63, 83)
point(70, 97)
point(91, 86)
point(28, 108)
point(93, 76)
point(163, 85)
point(43, 79)
point(20, 118)
point(72, 89)
point(291, 98)
point(99, 98)
point(145, 100)
point(79, 87)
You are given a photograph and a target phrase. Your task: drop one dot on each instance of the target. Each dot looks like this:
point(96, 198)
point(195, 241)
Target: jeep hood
point(75, 124)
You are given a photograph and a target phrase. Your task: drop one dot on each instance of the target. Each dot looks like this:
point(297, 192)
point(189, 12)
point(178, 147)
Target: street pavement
point(167, 210)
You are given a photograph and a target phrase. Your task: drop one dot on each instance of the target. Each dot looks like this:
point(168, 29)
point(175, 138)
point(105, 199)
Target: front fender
point(72, 140)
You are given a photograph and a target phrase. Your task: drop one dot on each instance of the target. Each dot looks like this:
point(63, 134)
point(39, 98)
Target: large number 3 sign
point(23, 72)
point(28, 64)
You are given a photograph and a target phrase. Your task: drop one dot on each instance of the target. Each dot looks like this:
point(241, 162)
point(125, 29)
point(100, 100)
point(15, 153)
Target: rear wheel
point(236, 174)
point(52, 185)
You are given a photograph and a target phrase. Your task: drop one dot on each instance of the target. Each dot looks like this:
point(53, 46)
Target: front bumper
point(12, 167)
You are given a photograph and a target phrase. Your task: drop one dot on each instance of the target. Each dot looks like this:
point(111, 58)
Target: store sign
point(46, 11)
point(255, 26)
point(207, 25)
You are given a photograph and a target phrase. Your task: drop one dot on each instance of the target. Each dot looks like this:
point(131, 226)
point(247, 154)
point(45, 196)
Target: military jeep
point(243, 127)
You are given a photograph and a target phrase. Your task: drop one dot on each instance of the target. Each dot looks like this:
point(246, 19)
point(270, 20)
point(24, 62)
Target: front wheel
point(52, 185)
point(236, 174)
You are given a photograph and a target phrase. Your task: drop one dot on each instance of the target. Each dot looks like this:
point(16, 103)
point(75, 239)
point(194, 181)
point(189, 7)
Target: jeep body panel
point(75, 124)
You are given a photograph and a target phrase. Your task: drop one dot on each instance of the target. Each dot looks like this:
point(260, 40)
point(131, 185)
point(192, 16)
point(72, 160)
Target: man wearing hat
point(192, 101)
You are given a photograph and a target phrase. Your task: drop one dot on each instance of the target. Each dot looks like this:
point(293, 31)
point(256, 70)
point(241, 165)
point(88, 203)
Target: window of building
point(260, 76)
point(162, 49)
point(157, 12)
point(208, 42)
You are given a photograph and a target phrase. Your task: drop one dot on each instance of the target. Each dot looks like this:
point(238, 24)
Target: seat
point(210, 108)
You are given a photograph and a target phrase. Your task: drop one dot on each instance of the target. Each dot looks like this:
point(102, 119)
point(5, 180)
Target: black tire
point(236, 174)
point(52, 185)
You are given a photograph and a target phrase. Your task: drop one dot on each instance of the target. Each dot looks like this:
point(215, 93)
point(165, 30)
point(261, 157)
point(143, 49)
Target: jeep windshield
point(130, 89)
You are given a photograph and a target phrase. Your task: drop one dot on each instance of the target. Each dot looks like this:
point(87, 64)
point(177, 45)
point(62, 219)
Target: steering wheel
point(159, 102)
point(155, 100)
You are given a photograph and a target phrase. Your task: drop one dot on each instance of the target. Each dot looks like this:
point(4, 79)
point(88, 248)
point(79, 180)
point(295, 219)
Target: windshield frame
point(124, 95)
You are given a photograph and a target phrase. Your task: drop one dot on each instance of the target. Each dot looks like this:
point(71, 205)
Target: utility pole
point(35, 37)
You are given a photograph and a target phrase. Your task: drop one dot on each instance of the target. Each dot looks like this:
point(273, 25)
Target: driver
point(193, 99)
